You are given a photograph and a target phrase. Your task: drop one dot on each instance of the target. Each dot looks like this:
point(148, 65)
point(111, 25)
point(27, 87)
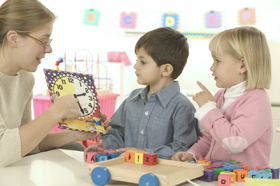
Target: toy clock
point(82, 87)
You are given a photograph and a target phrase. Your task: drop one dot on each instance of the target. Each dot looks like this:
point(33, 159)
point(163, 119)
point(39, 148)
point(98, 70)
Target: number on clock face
point(71, 85)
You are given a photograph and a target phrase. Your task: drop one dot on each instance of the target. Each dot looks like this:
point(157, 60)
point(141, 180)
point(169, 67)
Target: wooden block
point(209, 167)
point(113, 155)
point(253, 174)
point(150, 159)
point(261, 167)
point(217, 163)
point(265, 170)
point(202, 161)
point(275, 172)
point(91, 157)
point(209, 175)
point(101, 157)
point(232, 176)
point(241, 165)
point(217, 172)
point(224, 180)
point(241, 174)
point(139, 157)
point(264, 175)
point(234, 162)
point(130, 156)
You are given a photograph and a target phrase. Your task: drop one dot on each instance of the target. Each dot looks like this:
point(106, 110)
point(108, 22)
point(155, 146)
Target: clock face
point(78, 87)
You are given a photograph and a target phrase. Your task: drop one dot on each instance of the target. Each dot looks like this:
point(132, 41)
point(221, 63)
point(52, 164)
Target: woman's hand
point(66, 105)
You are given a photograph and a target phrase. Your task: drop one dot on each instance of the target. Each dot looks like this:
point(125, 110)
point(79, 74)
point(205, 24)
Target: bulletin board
point(103, 26)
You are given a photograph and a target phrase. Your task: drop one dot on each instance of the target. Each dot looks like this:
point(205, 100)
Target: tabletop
point(60, 167)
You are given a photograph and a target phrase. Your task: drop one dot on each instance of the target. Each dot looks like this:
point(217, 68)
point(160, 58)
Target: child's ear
point(167, 69)
point(12, 38)
point(243, 67)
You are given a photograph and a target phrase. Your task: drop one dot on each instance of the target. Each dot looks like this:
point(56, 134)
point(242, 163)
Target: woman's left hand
point(204, 96)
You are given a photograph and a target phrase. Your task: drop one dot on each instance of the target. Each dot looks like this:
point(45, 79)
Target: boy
point(157, 118)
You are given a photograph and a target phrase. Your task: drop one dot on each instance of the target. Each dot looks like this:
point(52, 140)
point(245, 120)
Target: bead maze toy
point(138, 169)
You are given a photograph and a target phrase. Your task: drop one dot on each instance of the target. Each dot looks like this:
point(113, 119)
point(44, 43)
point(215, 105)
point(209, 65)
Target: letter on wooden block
point(101, 157)
point(139, 157)
point(130, 156)
point(150, 159)
point(241, 174)
point(232, 176)
point(224, 180)
point(209, 175)
point(91, 157)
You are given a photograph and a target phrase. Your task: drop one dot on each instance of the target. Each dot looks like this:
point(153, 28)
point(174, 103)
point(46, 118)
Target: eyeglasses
point(45, 43)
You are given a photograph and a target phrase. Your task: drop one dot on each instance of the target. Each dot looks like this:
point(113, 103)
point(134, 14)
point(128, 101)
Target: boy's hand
point(183, 156)
point(94, 148)
point(107, 123)
point(204, 96)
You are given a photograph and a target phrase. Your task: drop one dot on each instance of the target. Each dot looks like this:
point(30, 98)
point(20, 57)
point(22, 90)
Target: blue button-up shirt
point(163, 124)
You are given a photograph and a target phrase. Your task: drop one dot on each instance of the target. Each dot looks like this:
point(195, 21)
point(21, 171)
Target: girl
point(25, 30)
point(237, 121)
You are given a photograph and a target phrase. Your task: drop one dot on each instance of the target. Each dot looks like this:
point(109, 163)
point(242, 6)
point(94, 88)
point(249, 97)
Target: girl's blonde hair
point(24, 17)
point(248, 43)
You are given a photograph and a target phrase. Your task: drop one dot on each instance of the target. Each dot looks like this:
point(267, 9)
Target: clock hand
point(79, 104)
point(83, 94)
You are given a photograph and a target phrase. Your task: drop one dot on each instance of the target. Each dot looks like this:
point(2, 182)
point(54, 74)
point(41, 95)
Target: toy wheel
point(100, 175)
point(149, 180)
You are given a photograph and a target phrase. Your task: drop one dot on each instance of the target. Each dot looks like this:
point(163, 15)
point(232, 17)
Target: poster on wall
point(91, 17)
point(247, 16)
point(213, 19)
point(128, 20)
point(170, 20)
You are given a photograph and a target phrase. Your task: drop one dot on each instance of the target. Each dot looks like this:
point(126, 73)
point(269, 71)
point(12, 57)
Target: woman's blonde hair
point(24, 17)
point(248, 43)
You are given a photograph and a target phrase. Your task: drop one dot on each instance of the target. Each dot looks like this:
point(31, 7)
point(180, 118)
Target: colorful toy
point(150, 159)
point(209, 175)
point(60, 60)
point(82, 87)
point(238, 172)
point(224, 180)
point(167, 172)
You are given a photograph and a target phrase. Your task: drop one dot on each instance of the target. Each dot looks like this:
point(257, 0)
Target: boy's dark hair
point(166, 45)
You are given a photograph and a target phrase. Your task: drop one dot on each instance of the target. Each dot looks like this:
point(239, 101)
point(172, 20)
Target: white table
point(58, 168)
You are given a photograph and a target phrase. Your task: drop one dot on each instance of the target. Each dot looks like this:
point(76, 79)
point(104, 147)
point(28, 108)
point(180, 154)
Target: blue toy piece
point(149, 179)
point(101, 157)
point(113, 155)
point(100, 176)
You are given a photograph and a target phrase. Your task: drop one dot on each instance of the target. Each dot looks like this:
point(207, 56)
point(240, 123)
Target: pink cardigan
point(243, 133)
